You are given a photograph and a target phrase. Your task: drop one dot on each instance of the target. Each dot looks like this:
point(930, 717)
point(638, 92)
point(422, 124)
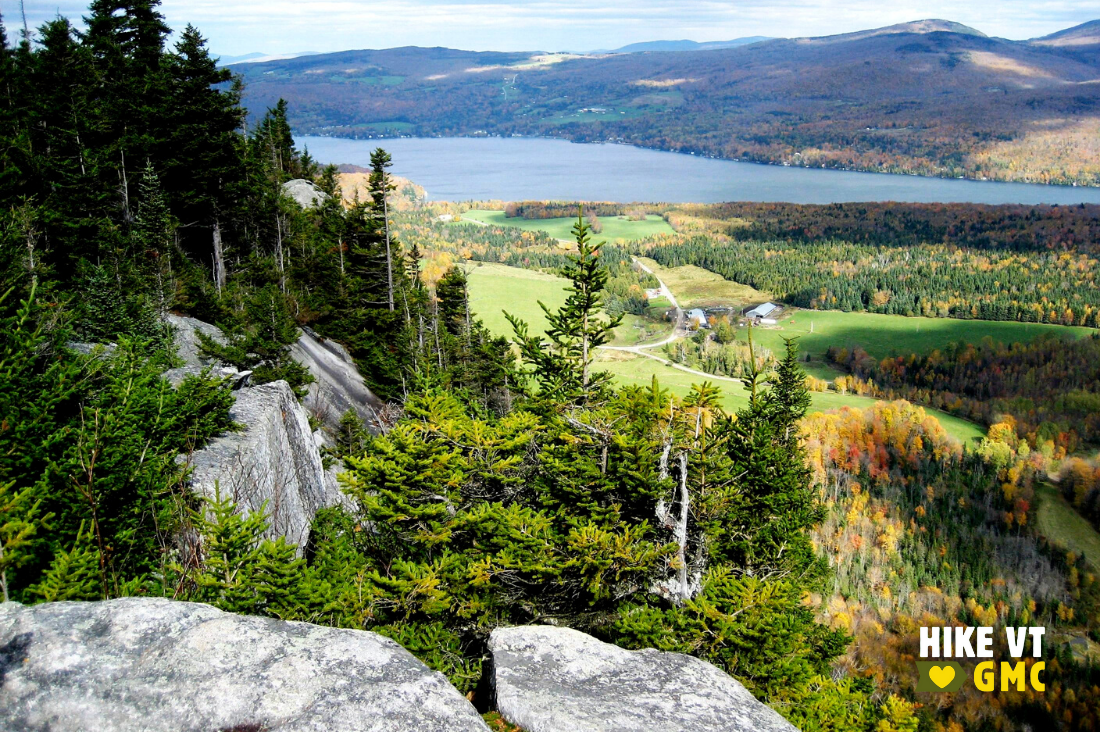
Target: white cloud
point(282, 26)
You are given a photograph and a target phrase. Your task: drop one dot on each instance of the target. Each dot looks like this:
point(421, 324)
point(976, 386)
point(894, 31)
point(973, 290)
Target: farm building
point(698, 316)
point(763, 311)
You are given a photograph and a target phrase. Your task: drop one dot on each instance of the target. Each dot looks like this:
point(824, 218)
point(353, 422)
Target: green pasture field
point(892, 335)
point(497, 287)
point(636, 330)
point(694, 286)
point(615, 228)
point(817, 330)
point(631, 369)
point(1061, 524)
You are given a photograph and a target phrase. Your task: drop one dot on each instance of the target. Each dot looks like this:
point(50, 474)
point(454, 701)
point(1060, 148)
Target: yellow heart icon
point(941, 676)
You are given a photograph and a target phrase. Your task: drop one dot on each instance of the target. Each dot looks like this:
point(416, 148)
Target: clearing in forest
point(615, 228)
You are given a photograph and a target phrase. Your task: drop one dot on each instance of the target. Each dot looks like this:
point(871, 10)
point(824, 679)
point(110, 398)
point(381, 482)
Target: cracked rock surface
point(153, 664)
point(272, 463)
point(549, 679)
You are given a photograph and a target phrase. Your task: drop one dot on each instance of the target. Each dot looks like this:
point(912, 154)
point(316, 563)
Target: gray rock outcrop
point(185, 334)
point(338, 386)
point(304, 193)
point(548, 679)
point(155, 664)
point(273, 460)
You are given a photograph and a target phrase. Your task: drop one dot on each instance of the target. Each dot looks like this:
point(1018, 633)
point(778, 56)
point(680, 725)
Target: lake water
point(526, 168)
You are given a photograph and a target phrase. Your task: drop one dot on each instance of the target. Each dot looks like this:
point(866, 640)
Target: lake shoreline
point(483, 167)
point(707, 156)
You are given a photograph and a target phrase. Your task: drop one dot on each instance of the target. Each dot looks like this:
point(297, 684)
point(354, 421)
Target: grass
point(694, 286)
point(635, 330)
point(1061, 524)
point(630, 369)
point(615, 228)
point(817, 330)
point(890, 335)
point(497, 287)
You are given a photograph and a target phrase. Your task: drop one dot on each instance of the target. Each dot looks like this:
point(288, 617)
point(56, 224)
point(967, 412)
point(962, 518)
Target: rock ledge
point(154, 664)
point(560, 680)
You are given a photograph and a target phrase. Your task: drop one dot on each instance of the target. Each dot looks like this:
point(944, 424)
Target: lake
point(528, 168)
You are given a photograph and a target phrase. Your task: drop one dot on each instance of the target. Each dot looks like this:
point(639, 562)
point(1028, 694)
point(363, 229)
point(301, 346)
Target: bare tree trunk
point(3, 575)
point(279, 253)
point(219, 258)
point(466, 300)
point(340, 242)
point(27, 38)
point(125, 187)
point(682, 528)
point(26, 222)
point(80, 148)
point(386, 219)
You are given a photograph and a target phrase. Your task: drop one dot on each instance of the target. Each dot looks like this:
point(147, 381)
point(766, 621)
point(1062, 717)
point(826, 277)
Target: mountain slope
point(930, 97)
point(1086, 34)
point(650, 46)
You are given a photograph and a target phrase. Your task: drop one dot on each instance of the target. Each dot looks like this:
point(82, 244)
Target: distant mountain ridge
point(932, 25)
point(931, 97)
point(666, 46)
point(1086, 34)
point(258, 57)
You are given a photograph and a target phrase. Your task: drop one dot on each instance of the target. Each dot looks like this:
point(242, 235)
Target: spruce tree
point(380, 188)
point(563, 364)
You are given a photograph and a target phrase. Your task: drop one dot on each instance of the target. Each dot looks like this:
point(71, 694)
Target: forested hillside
point(131, 188)
point(933, 98)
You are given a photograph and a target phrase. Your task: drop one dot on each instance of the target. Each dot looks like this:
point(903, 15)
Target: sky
point(237, 27)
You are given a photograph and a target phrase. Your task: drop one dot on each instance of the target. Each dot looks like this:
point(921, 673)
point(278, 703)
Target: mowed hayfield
point(495, 288)
point(1061, 524)
point(615, 228)
point(694, 286)
point(892, 335)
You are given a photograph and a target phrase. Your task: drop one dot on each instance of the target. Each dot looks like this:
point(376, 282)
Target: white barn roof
point(698, 314)
point(762, 311)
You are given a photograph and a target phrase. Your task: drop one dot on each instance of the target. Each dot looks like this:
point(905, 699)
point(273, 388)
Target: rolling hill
point(1086, 34)
point(650, 46)
point(930, 97)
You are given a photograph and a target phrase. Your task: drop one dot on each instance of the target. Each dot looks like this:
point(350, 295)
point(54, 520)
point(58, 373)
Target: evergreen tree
point(241, 571)
point(19, 520)
point(454, 304)
point(380, 187)
point(563, 366)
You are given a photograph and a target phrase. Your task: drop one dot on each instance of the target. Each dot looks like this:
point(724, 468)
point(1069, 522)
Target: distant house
point(762, 311)
point(446, 218)
point(698, 316)
point(653, 294)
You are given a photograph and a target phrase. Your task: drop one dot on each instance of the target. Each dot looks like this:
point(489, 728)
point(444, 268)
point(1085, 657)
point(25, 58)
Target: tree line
point(931, 280)
point(1049, 387)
